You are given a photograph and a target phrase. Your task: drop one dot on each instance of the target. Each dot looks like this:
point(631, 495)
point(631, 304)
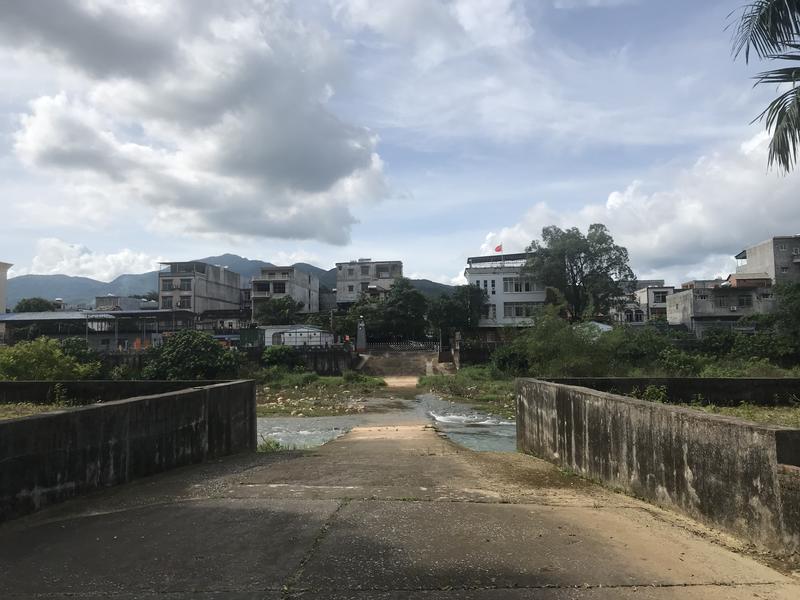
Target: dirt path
point(388, 511)
point(401, 381)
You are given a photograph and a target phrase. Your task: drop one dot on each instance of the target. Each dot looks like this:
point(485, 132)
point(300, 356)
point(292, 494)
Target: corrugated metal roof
point(59, 315)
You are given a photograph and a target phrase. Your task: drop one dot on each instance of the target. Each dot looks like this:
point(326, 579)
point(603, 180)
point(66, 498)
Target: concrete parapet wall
point(732, 474)
point(50, 457)
point(84, 391)
point(720, 391)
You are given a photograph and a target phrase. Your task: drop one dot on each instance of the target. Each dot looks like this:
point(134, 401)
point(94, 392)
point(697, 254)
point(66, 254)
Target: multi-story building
point(206, 290)
point(778, 258)
point(512, 296)
point(4, 267)
point(627, 309)
point(652, 300)
point(702, 308)
point(286, 282)
point(365, 277)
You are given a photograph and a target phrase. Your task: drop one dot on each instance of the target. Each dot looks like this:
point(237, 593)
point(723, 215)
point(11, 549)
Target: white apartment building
point(652, 301)
point(512, 297)
point(4, 267)
point(365, 276)
point(283, 282)
point(198, 287)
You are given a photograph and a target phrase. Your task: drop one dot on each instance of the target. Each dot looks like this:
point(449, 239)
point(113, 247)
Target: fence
point(404, 346)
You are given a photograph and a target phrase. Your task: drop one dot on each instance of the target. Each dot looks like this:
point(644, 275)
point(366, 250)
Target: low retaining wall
point(50, 457)
point(327, 361)
point(732, 474)
point(85, 391)
point(720, 391)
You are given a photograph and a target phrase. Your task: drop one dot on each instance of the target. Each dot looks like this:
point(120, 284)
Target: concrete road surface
point(387, 511)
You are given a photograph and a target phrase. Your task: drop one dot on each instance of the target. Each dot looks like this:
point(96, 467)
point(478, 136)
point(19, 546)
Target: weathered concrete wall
point(716, 469)
point(50, 457)
point(333, 360)
point(84, 392)
point(720, 391)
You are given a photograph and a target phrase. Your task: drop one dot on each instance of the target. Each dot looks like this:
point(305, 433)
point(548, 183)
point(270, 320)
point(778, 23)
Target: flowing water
point(460, 422)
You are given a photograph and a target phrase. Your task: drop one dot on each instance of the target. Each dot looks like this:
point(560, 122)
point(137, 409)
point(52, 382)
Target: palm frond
point(782, 118)
point(767, 26)
point(790, 75)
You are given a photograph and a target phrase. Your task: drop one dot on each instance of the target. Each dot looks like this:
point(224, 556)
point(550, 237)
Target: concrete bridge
point(390, 510)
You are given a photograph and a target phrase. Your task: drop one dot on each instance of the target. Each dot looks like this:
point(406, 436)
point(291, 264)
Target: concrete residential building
point(700, 309)
point(512, 297)
point(653, 300)
point(198, 287)
point(627, 309)
point(365, 276)
point(778, 257)
point(283, 282)
point(4, 267)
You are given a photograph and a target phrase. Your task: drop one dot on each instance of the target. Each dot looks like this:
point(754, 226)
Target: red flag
point(498, 248)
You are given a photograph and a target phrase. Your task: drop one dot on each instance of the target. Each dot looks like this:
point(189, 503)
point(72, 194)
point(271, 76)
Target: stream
point(460, 422)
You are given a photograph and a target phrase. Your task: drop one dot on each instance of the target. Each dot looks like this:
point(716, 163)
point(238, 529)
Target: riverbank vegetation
point(482, 386)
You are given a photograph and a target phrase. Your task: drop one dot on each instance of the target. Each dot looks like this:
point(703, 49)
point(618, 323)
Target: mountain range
point(84, 290)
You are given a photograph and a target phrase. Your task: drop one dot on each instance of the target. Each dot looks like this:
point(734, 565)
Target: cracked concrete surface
point(388, 511)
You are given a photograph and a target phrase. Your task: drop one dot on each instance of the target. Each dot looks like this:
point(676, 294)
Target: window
point(659, 297)
point(782, 247)
point(699, 296)
point(261, 286)
point(166, 302)
point(364, 286)
point(365, 269)
point(784, 269)
point(185, 302)
point(723, 301)
point(279, 287)
point(493, 311)
point(516, 285)
point(493, 287)
point(638, 316)
point(167, 286)
point(349, 288)
point(485, 284)
point(519, 309)
point(351, 272)
point(745, 300)
point(186, 285)
point(795, 251)
point(285, 274)
point(272, 275)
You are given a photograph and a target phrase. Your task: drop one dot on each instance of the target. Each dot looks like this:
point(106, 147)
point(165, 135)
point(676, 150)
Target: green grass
point(309, 395)
point(480, 386)
point(787, 416)
point(271, 446)
point(25, 409)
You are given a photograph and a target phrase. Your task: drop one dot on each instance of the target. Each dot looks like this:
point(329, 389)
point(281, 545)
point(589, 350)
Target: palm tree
point(771, 28)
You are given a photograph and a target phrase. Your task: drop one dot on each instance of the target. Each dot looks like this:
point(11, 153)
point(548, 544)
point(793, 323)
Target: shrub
point(191, 354)
point(282, 356)
point(45, 359)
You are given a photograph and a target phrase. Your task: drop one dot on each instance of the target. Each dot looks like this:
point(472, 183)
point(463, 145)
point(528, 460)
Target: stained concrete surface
point(391, 510)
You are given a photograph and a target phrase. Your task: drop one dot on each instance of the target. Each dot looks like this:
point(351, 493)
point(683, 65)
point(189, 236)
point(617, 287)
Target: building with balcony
point(652, 300)
point(112, 302)
point(206, 290)
point(365, 277)
point(286, 282)
point(513, 297)
point(700, 309)
point(778, 258)
point(627, 310)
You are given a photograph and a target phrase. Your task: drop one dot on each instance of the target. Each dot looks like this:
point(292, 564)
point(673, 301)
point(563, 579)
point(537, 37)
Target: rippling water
point(461, 423)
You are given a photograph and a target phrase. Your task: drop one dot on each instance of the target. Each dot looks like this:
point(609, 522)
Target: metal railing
point(405, 346)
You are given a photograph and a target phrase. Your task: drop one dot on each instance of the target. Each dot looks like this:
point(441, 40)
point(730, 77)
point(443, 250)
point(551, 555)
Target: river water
point(460, 422)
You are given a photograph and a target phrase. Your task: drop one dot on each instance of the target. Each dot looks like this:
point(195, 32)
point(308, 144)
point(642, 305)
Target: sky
point(134, 131)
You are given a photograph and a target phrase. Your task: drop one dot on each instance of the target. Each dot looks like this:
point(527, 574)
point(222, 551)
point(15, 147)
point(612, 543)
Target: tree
point(771, 28)
point(43, 359)
point(400, 315)
point(459, 311)
point(586, 269)
point(278, 311)
point(190, 354)
point(27, 305)
point(152, 296)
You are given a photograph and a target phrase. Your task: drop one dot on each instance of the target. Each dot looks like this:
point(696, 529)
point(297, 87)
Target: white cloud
point(689, 228)
point(55, 256)
point(220, 126)
point(591, 3)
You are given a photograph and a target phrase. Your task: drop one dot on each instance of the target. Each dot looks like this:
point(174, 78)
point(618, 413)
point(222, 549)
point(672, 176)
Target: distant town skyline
point(135, 132)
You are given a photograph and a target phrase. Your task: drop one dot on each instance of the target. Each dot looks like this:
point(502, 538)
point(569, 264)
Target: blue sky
point(132, 132)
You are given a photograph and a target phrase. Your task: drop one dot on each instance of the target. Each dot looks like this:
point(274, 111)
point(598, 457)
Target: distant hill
point(83, 290)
